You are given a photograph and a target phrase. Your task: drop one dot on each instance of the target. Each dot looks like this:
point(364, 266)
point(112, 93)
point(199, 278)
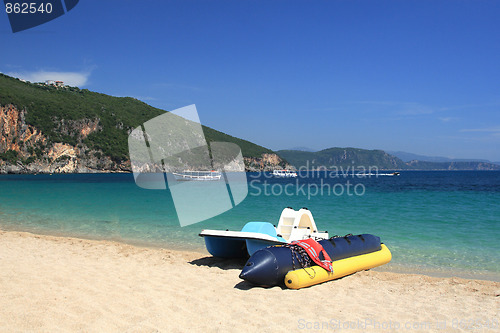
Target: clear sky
point(417, 76)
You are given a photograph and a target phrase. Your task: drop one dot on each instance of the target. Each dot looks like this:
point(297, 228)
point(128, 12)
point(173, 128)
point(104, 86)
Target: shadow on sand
point(221, 263)
point(227, 264)
point(244, 285)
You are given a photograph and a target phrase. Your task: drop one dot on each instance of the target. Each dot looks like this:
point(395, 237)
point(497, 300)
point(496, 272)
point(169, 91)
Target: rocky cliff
point(267, 162)
point(26, 149)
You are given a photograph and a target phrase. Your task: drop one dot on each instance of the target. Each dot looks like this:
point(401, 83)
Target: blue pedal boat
point(293, 225)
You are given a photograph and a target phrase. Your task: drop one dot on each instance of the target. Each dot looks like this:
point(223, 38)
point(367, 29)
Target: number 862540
point(28, 8)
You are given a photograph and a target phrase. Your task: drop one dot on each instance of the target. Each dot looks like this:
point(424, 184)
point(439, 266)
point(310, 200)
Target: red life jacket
point(313, 249)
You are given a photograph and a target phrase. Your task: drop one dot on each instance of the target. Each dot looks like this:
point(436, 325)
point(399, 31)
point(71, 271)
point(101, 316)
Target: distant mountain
point(407, 157)
point(361, 158)
point(49, 129)
point(342, 157)
point(455, 166)
point(301, 149)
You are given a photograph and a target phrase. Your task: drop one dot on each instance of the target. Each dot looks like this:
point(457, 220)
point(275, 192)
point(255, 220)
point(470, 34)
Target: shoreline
point(108, 172)
point(391, 267)
point(70, 284)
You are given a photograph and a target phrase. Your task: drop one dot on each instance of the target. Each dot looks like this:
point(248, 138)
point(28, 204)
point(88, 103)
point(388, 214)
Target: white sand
point(56, 284)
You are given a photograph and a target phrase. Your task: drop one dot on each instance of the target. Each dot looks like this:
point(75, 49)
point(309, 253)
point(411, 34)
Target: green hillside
point(47, 107)
point(362, 158)
point(342, 157)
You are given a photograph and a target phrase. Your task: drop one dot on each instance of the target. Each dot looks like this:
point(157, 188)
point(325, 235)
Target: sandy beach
point(61, 284)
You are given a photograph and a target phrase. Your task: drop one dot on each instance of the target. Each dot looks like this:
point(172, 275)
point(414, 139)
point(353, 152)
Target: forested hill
point(44, 128)
point(342, 157)
point(362, 158)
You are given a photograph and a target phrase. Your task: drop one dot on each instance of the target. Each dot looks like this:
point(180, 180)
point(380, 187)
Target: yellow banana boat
point(306, 277)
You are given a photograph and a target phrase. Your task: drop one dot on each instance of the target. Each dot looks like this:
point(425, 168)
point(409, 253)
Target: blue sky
point(416, 76)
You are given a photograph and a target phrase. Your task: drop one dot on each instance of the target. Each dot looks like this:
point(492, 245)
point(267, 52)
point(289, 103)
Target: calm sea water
point(438, 223)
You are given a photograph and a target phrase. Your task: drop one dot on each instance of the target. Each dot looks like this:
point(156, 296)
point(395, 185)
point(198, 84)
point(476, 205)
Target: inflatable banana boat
point(337, 257)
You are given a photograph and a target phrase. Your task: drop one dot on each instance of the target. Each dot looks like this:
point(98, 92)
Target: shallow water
point(438, 223)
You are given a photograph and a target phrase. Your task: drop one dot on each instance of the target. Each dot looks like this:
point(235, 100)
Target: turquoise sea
point(442, 223)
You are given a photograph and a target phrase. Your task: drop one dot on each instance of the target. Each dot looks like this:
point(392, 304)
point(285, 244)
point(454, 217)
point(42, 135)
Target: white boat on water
point(197, 175)
point(284, 174)
point(379, 174)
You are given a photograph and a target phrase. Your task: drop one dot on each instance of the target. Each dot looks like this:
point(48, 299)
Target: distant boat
point(379, 174)
point(197, 175)
point(284, 174)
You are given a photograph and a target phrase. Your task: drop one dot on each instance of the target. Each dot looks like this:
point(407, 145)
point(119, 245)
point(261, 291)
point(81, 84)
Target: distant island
point(49, 128)
point(362, 158)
